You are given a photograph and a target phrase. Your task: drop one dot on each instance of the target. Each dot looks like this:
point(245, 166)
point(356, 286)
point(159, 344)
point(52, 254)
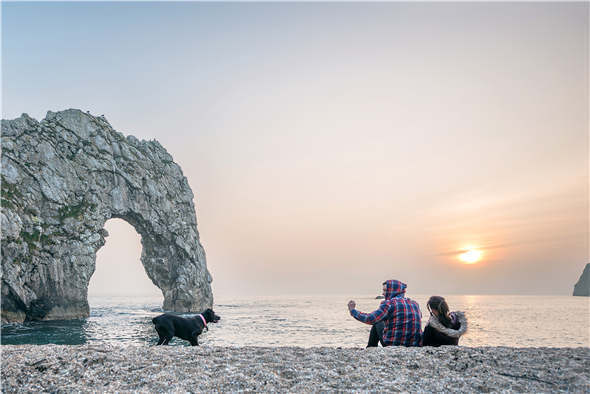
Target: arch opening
point(119, 271)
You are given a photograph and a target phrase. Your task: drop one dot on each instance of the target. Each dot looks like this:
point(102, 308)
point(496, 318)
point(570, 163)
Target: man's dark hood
point(394, 288)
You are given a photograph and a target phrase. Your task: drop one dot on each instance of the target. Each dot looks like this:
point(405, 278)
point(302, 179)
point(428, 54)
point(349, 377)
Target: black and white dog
point(168, 326)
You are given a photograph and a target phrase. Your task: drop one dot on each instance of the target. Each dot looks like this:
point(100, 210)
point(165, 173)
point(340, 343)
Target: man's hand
point(351, 305)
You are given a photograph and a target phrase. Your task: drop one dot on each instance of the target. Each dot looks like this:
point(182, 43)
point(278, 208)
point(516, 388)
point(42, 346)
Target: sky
point(332, 146)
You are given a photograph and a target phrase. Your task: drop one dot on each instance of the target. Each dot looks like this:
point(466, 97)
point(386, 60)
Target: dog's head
point(210, 316)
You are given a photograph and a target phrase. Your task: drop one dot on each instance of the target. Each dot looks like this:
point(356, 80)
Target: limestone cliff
point(62, 179)
point(582, 288)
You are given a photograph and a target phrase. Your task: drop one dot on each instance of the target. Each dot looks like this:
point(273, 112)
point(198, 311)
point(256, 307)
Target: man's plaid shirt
point(401, 316)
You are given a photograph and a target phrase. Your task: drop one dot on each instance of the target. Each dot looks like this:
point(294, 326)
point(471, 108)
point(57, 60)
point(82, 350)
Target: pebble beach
point(109, 368)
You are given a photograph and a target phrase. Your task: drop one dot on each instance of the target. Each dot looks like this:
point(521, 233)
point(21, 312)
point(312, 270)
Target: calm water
point(528, 321)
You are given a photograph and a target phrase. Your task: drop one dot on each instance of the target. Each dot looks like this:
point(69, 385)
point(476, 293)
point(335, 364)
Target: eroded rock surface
point(62, 179)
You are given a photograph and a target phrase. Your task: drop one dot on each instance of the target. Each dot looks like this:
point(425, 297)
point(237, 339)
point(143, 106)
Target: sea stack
point(62, 179)
point(582, 288)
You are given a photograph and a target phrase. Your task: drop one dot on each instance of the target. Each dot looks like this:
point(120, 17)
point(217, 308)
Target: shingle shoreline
point(102, 367)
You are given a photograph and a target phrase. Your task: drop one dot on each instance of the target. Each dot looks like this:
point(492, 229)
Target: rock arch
point(62, 179)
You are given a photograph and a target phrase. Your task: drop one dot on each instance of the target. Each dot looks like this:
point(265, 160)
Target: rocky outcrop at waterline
point(62, 179)
point(582, 287)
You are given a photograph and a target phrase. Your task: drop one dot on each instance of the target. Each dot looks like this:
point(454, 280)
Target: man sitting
point(396, 322)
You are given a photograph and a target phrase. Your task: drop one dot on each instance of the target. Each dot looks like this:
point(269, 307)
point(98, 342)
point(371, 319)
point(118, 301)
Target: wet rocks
point(86, 368)
point(62, 179)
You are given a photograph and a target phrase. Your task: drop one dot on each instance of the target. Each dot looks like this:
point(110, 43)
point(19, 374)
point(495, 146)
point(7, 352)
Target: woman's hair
point(438, 303)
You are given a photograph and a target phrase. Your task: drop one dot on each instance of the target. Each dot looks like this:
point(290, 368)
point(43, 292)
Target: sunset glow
point(471, 256)
point(472, 165)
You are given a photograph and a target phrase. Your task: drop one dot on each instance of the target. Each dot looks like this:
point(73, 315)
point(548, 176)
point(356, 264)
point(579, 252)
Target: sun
point(471, 256)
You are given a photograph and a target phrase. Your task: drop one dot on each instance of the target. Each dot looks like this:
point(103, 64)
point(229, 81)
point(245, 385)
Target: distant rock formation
point(582, 288)
point(62, 179)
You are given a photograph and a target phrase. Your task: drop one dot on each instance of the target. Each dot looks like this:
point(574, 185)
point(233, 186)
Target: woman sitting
point(443, 328)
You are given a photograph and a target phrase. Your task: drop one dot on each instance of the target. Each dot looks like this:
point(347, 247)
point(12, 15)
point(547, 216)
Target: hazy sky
point(333, 146)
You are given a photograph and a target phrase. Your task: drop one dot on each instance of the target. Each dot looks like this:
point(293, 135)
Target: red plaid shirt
point(401, 315)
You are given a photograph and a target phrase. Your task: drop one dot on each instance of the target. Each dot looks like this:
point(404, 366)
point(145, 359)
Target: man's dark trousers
point(376, 334)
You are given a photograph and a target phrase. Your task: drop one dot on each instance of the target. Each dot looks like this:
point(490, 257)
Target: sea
point(316, 321)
